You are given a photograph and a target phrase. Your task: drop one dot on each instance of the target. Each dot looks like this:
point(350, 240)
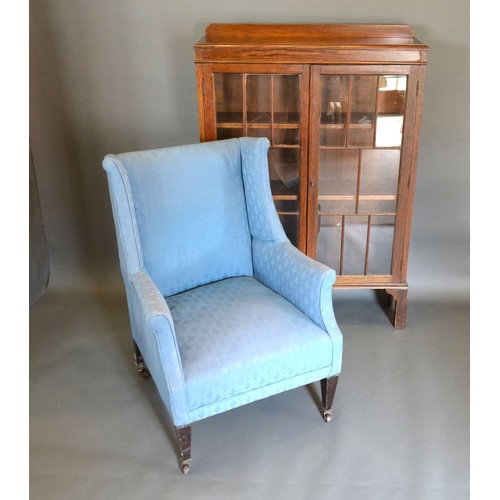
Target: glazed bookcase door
point(272, 102)
point(360, 165)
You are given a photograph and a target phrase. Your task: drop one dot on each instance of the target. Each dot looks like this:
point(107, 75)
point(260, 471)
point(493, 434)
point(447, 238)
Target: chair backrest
point(183, 209)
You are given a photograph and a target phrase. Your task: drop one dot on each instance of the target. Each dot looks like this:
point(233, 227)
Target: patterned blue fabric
point(190, 213)
point(127, 234)
point(262, 216)
point(303, 281)
point(246, 315)
point(154, 332)
point(236, 335)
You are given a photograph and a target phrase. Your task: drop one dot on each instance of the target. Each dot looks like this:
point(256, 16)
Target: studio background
point(109, 76)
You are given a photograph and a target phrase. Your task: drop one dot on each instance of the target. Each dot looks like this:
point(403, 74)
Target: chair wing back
point(180, 213)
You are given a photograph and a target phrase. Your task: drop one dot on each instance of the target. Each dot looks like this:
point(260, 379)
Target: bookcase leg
point(400, 298)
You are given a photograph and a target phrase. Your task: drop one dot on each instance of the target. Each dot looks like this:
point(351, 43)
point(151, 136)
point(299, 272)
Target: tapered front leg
point(328, 387)
point(184, 440)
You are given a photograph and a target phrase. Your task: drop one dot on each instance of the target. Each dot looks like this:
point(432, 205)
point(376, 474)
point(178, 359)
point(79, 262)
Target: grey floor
point(400, 429)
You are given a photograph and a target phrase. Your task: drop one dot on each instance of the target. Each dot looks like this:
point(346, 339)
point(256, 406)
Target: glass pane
point(286, 205)
point(390, 112)
point(334, 99)
point(380, 245)
point(259, 131)
point(286, 98)
point(362, 110)
point(284, 170)
point(329, 240)
point(258, 100)
point(286, 134)
point(229, 98)
point(378, 185)
point(338, 174)
point(367, 247)
point(355, 237)
point(286, 105)
point(228, 132)
point(290, 224)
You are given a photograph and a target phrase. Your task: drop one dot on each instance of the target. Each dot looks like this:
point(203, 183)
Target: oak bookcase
point(341, 105)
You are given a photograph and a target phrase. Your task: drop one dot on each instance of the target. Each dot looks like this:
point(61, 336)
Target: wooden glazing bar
point(285, 197)
point(272, 110)
point(348, 125)
point(259, 125)
point(244, 103)
point(287, 125)
point(367, 242)
point(343, 125)
point(288, 213)
point(341, 266)
point(233, 125)
point(361, 214)
point(367, 281)
point(284, 125)
point(286, 146)
point(364, 197)
point(358, 181)
point(360, 147)
point(374, 139)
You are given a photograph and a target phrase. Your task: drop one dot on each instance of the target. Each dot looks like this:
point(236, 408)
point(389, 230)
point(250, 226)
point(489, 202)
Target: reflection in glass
point(329, 241)
point(337, 184)
point(286, 108)
point(284, 205)
point(286, 135)
point(228, 132)
point(229, 98)
point(362, 110)
point(290, 224)
point(390, 111)
point(356, 244)
point(258, 99)
point(355, 237)
point(379, 177)
point(286, 98)
point(284, 170)
point(258, 103)
point(380, 245)
point(361, 121)
point(260, 131)
point(334, 103)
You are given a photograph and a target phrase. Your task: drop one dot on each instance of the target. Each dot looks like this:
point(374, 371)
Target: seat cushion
point(236, 335)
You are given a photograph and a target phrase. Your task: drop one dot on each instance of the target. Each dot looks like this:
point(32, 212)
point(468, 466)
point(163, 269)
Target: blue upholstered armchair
point(224, 310)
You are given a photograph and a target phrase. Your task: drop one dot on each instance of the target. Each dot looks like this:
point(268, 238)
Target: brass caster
point(141, 366)
point(327, 416)
point(144, 372)
point(185, 467)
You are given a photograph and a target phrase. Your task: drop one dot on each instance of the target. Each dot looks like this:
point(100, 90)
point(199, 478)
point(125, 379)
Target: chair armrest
point(152, 303)
point(306, 283)
point(154, 331)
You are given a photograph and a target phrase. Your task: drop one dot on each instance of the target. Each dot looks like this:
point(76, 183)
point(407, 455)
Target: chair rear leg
point(328, 387)
point(139, 362)
point(184, 440)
